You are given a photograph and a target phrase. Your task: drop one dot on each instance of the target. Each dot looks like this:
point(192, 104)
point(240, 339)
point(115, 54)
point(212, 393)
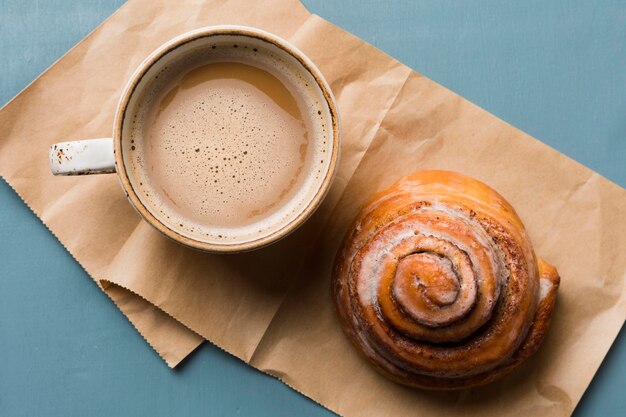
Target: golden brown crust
point(437, 285)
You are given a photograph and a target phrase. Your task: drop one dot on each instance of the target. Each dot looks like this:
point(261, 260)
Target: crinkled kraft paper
point(272, 308)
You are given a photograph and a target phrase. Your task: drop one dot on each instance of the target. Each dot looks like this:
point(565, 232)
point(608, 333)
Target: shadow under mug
point(100, 156)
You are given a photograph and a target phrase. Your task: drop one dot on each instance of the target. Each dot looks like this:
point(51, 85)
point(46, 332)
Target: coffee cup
point(225, 139)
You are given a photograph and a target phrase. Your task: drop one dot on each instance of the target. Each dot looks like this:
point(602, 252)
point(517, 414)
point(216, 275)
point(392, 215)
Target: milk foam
point(228, 146)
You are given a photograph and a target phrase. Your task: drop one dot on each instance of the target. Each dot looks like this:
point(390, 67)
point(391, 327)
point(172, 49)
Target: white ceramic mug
point(98, 156)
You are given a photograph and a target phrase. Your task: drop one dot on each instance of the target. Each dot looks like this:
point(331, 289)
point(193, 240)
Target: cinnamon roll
point(437, 285)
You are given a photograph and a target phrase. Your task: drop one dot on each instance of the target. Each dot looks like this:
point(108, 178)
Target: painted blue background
point(554, 69)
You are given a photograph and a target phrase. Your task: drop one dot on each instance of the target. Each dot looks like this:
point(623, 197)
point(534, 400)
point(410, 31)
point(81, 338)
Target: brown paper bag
point(272, 307)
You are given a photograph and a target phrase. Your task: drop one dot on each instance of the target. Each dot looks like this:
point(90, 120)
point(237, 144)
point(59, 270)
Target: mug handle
point(82, 157)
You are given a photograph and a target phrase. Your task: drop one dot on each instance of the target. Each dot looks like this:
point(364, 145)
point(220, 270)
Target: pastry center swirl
point(426, 275)
point(436, 287)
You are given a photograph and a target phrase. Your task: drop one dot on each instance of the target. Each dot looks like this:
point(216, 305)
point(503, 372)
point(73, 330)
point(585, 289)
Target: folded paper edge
point(98, 282)
point(171, 362)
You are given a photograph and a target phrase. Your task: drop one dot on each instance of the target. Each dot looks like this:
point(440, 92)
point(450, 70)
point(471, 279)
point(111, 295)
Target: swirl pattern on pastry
point(437, 285)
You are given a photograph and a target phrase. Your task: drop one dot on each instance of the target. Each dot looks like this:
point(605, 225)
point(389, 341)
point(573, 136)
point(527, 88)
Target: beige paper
point(272, 308)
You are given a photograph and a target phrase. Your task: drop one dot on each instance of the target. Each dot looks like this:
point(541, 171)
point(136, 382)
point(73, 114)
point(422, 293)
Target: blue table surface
point(554, 69)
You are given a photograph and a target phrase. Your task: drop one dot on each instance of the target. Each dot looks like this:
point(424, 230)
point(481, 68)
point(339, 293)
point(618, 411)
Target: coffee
point(228, 145)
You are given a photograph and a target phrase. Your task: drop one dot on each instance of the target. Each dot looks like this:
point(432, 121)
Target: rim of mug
point(177, 42)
